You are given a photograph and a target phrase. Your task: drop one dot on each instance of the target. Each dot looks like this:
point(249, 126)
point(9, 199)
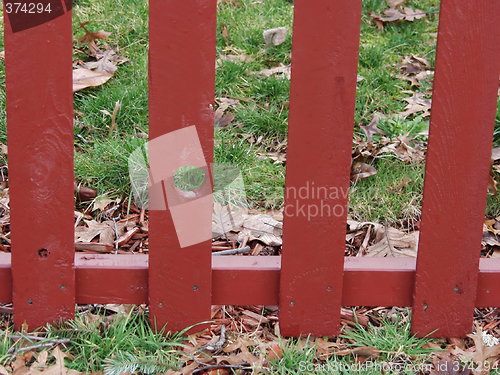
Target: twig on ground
point(242, 366)
point(116, 235)
point(218, 345)
point(245, 249)
point(15, 351)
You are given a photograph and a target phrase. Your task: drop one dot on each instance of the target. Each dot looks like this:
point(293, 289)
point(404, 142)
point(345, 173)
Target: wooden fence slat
point(322, 98)
point(458, 161)
point(181, 93)
point(40, 138)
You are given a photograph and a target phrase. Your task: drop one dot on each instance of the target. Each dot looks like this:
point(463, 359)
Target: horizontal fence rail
point(43, 277)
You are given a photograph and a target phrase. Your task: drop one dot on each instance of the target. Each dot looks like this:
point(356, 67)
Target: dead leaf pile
point(416, 70)
point(128, 235)
point(404, 148)
point(98, 72)
point(242, 337)
point(41, 364)
point(261, 231)
point(375, 240)
point(396, 12)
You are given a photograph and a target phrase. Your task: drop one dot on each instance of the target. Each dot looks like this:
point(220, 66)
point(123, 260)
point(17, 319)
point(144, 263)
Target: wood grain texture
point(322, 98)
point(458, 161)
point(40, 137)
point(181, 92)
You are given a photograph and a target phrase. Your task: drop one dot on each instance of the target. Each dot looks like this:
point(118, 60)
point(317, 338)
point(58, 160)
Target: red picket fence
point(312, 280)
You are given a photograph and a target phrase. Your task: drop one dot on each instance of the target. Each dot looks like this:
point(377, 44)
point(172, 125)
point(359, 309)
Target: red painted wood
point(245, 280)
point(458, 160)
point(322, 98)
point(111, 279)
point(181, 91)
point(5, 278)
point(488, 285)
point(40, 136)
point(378, 281)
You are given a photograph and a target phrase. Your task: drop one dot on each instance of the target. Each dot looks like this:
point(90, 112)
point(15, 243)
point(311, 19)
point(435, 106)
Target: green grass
point(397, 350)
point(125, 343)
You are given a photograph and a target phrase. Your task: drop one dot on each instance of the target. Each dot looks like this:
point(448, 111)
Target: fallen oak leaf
point(106, 63)
point(90, 37)
point(411, 14)
point(83, 78)
point(372, 128)
point(483, 353)
point(416, 103)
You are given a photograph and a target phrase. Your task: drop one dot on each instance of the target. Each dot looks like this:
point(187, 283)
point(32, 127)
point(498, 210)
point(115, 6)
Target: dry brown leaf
point(281, 69)
point(325, 349)
point(263, 228)
point(83, 78)
point(411, 14)
point(225, 219)
point(416, 103)
point(2, 55)
point(403, 151)
point(225, 33)
point(278, 157)
point(233, 59)
point(360, 171)
point(107, 62)
point(90, 37)
point(393, 243)
point(94, 229)
point(393, 15)
point(222, 119)
point(483, 353)
point(495, 153)
point(372, 128)
point(365, 351)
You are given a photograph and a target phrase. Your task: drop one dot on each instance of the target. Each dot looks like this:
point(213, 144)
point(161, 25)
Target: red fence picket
point(457, 167)
point(40, 131)
point(44, 278)
point(322, 99)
